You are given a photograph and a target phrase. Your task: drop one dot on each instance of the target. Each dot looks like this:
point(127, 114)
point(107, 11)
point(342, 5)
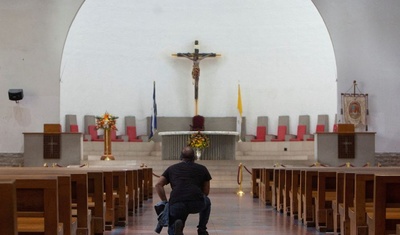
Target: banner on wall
point(355, 109)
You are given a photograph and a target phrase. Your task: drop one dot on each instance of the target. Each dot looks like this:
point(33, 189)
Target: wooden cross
point(196, 57)
point(51, 143)
point(346, 145)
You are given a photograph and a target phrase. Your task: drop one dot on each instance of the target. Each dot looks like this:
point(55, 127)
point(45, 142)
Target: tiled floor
point(230, 215)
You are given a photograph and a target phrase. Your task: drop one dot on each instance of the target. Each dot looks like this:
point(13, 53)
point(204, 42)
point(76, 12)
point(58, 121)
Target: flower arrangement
point(199, 141)
point(106, 122)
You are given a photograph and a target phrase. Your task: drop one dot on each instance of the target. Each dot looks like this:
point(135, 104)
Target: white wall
point(366, 36)
point(280, 51)
point(32, 35)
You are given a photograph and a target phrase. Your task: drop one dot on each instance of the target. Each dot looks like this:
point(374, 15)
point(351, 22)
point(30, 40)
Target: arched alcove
point(280, 53)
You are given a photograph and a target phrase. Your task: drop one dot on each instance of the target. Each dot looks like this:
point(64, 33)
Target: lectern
point(345, 146)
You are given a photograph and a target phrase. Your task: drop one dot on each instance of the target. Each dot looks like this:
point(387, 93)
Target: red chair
point(197, 123)
point(261, 132)
point(73, 128)
point(93, 133)
point(114, 137)
point(301, 131)
point(319, 129)
point(131, 133)
point(281, 133)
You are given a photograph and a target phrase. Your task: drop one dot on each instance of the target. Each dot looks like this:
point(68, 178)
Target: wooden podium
point(346, 141)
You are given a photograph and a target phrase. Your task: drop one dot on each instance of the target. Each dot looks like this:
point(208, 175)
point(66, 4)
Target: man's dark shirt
point(186, 179)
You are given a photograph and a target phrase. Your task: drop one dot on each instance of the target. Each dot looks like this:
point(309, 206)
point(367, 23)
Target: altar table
point(222, 144)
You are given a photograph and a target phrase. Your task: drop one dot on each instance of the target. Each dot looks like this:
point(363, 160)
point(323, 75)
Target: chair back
point(320, 129)
point(301, 131)
point(261, 132)
point(197, 123)
point(73, 128)
point(113, 134)
point(93, 132)
point(281, 132)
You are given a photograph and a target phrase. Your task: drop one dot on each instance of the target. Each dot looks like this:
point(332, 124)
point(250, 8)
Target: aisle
point(230, 215)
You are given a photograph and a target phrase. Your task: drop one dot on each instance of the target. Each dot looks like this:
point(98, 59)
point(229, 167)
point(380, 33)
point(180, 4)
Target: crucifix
point(346, 144)
point(196, 57)
point(51, 143)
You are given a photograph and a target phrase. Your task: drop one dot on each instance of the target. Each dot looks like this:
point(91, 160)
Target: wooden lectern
point(345, 128)
point(51, 141)
point(346, 141)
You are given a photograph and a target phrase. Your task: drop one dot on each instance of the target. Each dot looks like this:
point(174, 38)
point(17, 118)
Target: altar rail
point(222, 144)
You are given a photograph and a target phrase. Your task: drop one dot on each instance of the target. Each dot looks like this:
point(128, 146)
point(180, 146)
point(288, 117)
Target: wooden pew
point(131, 181)
point(385, 213)
point(37, 204)
point(287, 186)
point(279, 182)
point(354, 195)
point(8, 205)
point(135, 184)
point(255, 179)
point(338, 204)
point(266, 182)
point(140, 187)
point(326, 194)
point(64, 194)
point(96, 193)
point(120, 196)
point(363, 192)
point(294, 190)
point(309, 183)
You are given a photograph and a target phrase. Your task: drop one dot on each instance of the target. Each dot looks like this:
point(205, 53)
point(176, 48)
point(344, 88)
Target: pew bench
point(266, 183)
point(385, 214)
point(255, 179)
point(64, 197)
point(326, 194)
point(37, 204)
point(36, 225)
point(8, 205)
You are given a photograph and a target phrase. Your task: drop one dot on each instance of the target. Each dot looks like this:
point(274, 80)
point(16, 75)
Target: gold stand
point(107, 156)
point(240, 192)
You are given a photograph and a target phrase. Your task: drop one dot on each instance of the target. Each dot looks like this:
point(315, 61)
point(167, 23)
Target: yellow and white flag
point(240, 113)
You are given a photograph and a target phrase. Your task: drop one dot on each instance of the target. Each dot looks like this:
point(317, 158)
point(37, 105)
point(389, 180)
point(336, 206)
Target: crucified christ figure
point(196, 57)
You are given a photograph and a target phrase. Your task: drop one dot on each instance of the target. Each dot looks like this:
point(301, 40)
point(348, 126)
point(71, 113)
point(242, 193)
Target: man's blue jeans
point(181, 210)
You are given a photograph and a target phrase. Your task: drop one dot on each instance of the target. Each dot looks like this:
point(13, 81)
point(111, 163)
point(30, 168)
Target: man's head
point(187, 154)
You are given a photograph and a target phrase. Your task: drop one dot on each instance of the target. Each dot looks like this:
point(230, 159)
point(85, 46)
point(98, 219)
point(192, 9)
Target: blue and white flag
point(153, 124)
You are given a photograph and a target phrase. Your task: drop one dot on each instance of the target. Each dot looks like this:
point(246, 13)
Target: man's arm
point(160, 188)
point(206, 188)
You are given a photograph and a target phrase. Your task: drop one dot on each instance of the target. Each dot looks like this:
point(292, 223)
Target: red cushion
point(73, 128)
point(93, 133)
point(301, 130)
point(281, 133)
point(320, 128)
point(261, 132)
point(114, 136)
point(131, 133)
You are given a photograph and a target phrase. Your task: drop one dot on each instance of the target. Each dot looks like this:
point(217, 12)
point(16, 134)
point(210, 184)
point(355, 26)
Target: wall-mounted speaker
point(15, 94)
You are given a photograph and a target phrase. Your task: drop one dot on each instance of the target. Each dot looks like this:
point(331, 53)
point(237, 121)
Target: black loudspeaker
point(15, 94)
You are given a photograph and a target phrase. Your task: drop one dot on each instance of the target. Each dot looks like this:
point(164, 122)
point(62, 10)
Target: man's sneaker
point(178, 227)
point(204, 232)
